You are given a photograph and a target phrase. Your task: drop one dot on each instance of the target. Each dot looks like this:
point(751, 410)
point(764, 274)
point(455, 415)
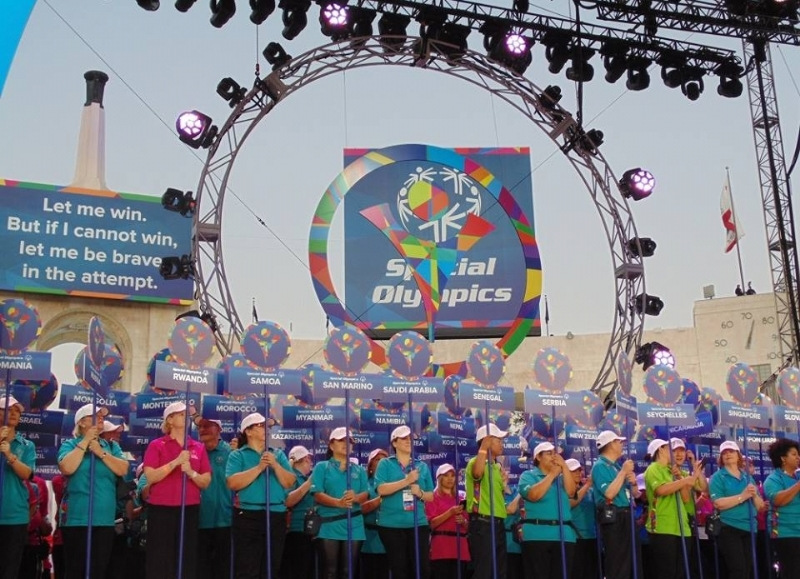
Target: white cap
point(400, 432)
point(86, 410)
point(298, 452)
point(607, 436)
point(11, 402)
point(654, 445)
point(354, 460)
point(573, 464)
point(444, 469)
point(339, 433)
point(542, 447)
point(251, 419)
point(211, 420)
point(493, 431)
point(109, 426)
point(729, 445)
point(677, 443)
point(174, 408)
point(375, 453)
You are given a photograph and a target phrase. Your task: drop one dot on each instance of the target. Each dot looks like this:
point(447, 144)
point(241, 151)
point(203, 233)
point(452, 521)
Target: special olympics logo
point(435, 203)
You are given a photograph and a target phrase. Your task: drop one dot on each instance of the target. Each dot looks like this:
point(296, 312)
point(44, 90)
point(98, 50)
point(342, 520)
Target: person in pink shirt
point(448, 521)
point(169, 467)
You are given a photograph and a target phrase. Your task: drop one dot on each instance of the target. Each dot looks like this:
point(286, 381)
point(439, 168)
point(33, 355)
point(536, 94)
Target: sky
point(164, 62)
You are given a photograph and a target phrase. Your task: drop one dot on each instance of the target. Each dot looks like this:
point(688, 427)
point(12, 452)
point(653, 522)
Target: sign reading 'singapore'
point(429, 241)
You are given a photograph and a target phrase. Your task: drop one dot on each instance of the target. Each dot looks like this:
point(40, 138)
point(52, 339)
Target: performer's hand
point(412, 476)
point(627, 466)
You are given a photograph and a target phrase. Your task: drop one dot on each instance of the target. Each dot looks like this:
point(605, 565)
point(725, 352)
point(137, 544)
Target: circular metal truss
point(213, 292)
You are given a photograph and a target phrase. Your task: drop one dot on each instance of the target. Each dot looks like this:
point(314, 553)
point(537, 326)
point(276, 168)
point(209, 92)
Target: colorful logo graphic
point(191, 342)
point(486, 363)
point(742, 383)
point(163, 355)
point(410, 355)
point(110, 366)
point(347, 350)
point(662, 385)
point(789, 387)
point(20, 327)
point(266, 345)
point(624, 373)
point(552, 370)
point(97, 342)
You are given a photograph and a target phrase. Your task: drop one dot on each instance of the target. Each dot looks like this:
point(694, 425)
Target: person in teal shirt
point(75, 457)
point(298, 553)
point(584, 563)
point(782, 489)
point(18, 464)
point(374, 564)
point(735, 495)
point(245, 474)
point(339, 488)
point(216, 505)
point(404, 485)
point(513, 546)
point(545, 490)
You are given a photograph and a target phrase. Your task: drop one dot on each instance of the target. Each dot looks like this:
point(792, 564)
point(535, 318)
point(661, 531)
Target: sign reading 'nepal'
point(443, 203)
point(89, 243)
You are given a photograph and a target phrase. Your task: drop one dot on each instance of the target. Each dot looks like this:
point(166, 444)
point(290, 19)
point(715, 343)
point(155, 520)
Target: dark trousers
point(214, 553)
point(787, 552)
point(399, 545)
point(334, 558)
point(163, 541)
point(299, 558)
point(75, 550)
point(117, 563)
point(584, 563)
point(668, 554)
point(33, 557)
point(13, 539)
point(619, 548)
point(544, 558)
point(448, 569)
point(250, 544)
point(480, 547)
point(514, 566)
point(374, 566)
point(59, 565)
point(736, 551)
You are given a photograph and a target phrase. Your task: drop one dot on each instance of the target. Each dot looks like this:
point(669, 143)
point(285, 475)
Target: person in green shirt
point(684, 463)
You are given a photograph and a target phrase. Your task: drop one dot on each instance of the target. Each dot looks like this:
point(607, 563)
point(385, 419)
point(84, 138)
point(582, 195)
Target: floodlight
point(614, 60)
point(521, 5)
point(591, 140)
point(692, 84)
point(647, 245)
point(451, 38)
point(261, 10)
point(294, 17)
point(195, 129)
point(580, 70)
point(550, 96)
point(392, 30)
point(276, 55)
point(507, 47)
point(221, 12)
point(361, 19)
point(653, 353)
point(208, 318)
point(729, 84)
point(230, 91)
point(178, 201)
point(557, 51)
point(647, 304)
point(334, 20)
point(638, 77)
point(149, 5)
point(184, 5)
point(637, 184)
point(174, 267)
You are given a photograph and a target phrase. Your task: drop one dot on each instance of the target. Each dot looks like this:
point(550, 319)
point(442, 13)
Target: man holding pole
point(486, 505)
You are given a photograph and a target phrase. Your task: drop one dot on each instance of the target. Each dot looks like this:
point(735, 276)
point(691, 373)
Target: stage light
point(209, 319)
point(672, 77)
point(729, 84)
point(557, 51)
point(550, 96)
point(614, 60)
point(637, 184)
point(276, 55)
point(260, 10)
point(221, 12)
point(647, 304)
point(591, 141)
point(195, 129)
point(521, 6)
point(507, 47)
point(653, 353)
point(334, 20)
point(361, 19)
point(230, 91)
point(450, 38)
point(184, 5)
point(648, 247)
point(580, 70)
point(638, 77)
point(149, 5)
point(692, 83)
point(173, 267)
point(178, 201)
point(392, 30)
point(294, 17)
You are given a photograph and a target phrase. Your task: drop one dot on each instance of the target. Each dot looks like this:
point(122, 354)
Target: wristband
point(83, 449)
point(102, 456)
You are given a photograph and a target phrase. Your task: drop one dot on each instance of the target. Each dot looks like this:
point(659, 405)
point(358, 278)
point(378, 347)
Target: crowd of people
point(246, 509)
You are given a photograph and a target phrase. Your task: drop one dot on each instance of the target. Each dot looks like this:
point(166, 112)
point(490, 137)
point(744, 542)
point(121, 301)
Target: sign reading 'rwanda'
point(472, 280)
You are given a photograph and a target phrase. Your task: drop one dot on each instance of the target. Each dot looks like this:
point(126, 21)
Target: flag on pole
point(255, 313)
point(733, 230)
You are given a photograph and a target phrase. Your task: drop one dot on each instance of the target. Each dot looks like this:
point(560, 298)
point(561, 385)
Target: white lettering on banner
point(666, 414)
point(233, 407)
point(743, 414)
point(486, 396)
point(313, 417)
point(456, 426)
point(265, 380)
point(187, 377)
point(15, 365)
point(554, 402)
point(411, 297)
point(339, 385)
point(28, 419)
point(389, 420)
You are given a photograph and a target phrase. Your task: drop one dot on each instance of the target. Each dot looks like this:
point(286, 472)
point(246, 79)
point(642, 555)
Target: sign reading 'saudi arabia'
point(395, 215)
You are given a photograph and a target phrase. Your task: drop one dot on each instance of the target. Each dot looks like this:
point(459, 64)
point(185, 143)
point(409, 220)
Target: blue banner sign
point(449, 425)
point(179, 378)
point(580, 436)
point(93, 376)
point(117, 402)
point(149, 427)
point(636, 450)
point(754, 437)
point(152, 405)
point(472, 395)
point(786, 417)
point(42, 438)
point(373, 419)
point(675, 415)
point(130, 442)
point(293, 436)
point(244, 380)
point(300, 417)
point(734, 414)
point(366, 442)
point(47, 422)
point(704, 424)
point(626, 405)
point(425, 389)
point(331, 385)
point(217, 407)
point(442, 443)
point(24, 366)
point(541, 402)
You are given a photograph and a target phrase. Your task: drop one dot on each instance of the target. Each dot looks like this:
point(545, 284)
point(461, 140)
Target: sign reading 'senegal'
point(429, 241)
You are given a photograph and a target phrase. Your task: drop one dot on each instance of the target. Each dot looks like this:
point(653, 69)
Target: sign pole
point(458, 527)
point(267, 527)
point(186, 423)
point(7, 395)
point(750, 514)
point(416, 517)
point(559, 489)
point(88, 571)
point(347, 482)
point(678, 507)
point(632, 500)
point(490, 464)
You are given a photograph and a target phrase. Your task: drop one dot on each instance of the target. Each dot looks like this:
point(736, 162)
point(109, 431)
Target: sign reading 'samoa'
point(434, 242)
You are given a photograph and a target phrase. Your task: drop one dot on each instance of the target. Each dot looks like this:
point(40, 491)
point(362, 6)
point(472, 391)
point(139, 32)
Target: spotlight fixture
point(334, 20)
point(647, 245)
point(692, 83)
point(195, 129)
point(507, 47)
point(149, 5)
point(557, 51)
point(294, 17)
point(647, 304)
point(173, 267)
point(580, 70)
point(521, 6)
point(729, 84)
point(653, 353)
point(637, 184)
point(450, 38)
point(550, 97)
point(638, 77)
point(276, 55)
point(184, 5)
point(204, 316)
point(260, 10)
point(361, 19)
point(591, 140)
point(614, 60)
point(230, 91)
point(178, 201)
point(221, 12)
point(392, 30)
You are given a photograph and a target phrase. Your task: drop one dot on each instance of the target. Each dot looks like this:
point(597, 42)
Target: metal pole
point(416, 516)
point(558, 499)
point(5, 423)
point(632, 502)
point(490, 465)
point(186, 423)
point(750, 513)
point(347, 482)
point(88, 571)
point(458, 527)
point(678, 508)
point(268, 534)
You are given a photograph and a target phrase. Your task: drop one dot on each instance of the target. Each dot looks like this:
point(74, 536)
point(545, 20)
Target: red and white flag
point(733, 230)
